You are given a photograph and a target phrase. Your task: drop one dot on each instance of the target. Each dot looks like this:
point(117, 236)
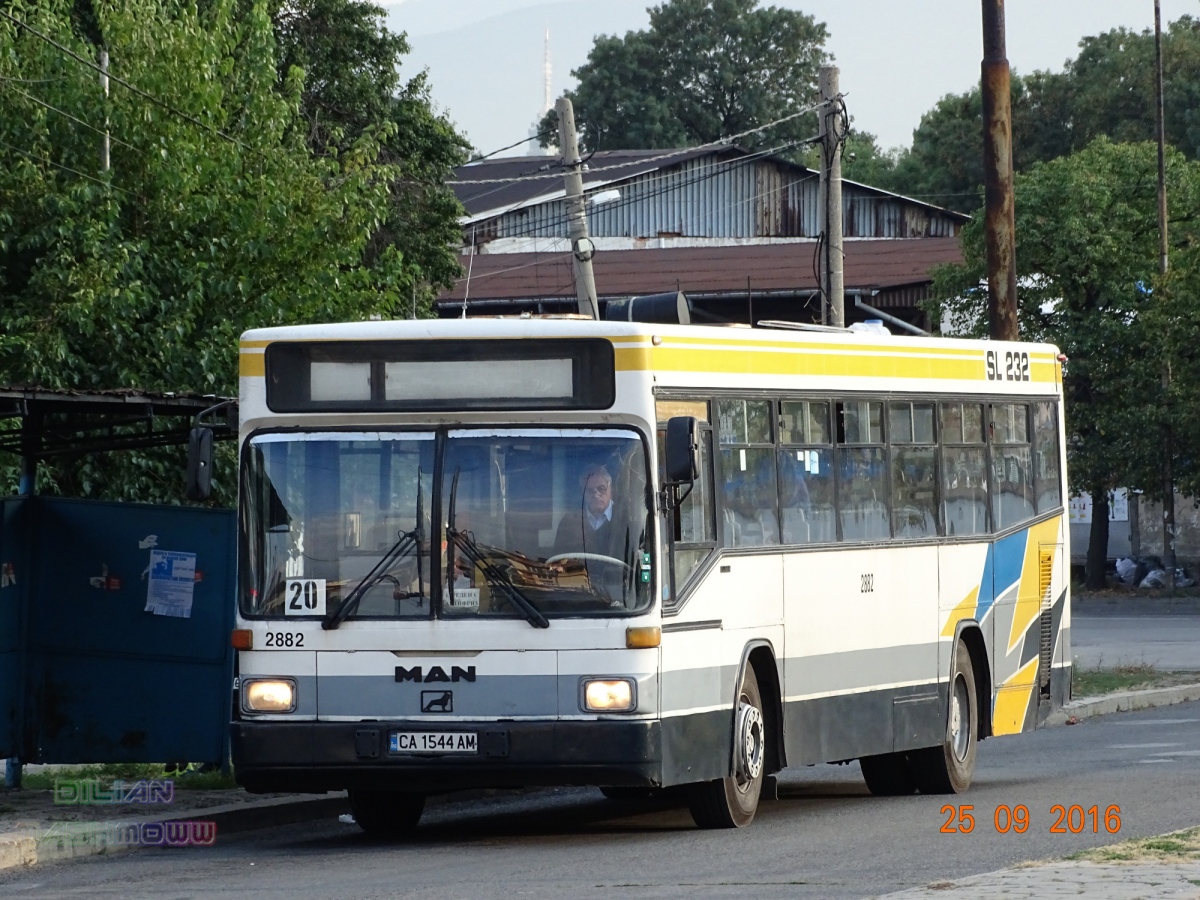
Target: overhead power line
point(641, 162)
point(125, 84)
point(50, 162)
point(532, 137)
point(100, 131)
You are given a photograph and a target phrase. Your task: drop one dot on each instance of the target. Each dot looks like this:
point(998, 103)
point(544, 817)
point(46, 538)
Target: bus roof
point(483, 328)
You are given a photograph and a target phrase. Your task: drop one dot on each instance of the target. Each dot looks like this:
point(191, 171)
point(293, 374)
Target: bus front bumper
point(332, 756)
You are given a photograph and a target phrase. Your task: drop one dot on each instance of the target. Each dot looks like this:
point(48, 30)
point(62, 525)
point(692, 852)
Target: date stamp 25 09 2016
point(1068, 819)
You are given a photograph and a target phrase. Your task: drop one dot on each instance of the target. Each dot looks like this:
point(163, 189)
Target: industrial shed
point(735, 230)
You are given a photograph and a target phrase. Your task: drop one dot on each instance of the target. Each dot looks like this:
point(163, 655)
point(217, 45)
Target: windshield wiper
point(494, 576)
point(406, 542)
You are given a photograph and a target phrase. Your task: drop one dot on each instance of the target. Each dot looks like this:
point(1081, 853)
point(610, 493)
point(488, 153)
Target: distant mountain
point(419, 17)
point(487, 74)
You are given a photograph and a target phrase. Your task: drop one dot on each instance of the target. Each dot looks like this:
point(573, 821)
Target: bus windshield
point(561, 516)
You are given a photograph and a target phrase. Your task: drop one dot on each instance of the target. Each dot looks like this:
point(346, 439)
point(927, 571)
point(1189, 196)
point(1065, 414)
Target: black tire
point(387, 813)
point(948, 769)
point(731, 802)
point(888, 775)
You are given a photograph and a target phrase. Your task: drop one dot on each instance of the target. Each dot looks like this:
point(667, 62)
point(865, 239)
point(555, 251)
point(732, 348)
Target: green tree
point(1087, 256)
point(704, 69)
point(214, 217)
point(1108, 89)
point(353, 90)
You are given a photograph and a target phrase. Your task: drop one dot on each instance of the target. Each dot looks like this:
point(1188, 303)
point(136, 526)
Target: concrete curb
point(1123, 701)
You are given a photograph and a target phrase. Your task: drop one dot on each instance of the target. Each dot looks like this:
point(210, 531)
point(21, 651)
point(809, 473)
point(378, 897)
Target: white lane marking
point(1146, 722)
point(1140, 746)
point(1178, 753)
point(1155, 760)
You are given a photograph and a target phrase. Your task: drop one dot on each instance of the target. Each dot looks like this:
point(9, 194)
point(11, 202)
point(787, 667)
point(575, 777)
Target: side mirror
point(682, 450)
point(199, 464)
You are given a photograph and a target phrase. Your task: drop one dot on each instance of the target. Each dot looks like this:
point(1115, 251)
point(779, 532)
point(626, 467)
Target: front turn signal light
point(268, 696)
point(242, 639)
point(643, 638)
point(608, 695)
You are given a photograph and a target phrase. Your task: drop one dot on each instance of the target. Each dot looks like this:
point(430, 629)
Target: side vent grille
point(1046, 619)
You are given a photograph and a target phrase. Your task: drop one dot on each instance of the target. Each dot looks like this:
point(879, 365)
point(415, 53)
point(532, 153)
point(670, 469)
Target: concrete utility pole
point(1168, 473)
point(832, 135)
point(1000, 223)
point(104, 139)
point(581, 244)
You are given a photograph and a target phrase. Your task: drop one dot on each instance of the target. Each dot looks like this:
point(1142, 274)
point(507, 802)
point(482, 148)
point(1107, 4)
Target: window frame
point(939, 523)
point(993, 488)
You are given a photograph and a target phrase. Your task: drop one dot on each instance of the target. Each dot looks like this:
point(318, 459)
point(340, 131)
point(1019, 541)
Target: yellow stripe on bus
point(252, 365)
point(749, 362)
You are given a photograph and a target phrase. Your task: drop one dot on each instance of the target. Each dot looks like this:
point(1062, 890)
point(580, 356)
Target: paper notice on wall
point(169, 587)
point(1080, 507)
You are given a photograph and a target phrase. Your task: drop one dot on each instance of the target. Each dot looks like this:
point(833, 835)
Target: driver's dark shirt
point(575, 534)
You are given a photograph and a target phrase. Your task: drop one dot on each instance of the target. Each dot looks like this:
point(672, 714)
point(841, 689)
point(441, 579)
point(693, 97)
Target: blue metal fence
point(87, 673)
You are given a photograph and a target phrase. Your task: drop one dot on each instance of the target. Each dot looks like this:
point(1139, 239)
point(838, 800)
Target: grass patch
point(1178, 846)
point(191, 779)
point(1138, 676)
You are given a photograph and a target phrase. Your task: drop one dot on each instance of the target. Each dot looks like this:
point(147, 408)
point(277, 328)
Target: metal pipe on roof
point(888, 317)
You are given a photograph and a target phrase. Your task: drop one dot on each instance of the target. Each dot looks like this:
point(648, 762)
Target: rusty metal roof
point(710, 271)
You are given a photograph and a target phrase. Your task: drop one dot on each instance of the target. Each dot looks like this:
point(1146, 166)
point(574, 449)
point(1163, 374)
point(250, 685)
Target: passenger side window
point(964, 469)
point(1047, 474)
point(1012, 467)
point(806, 472)
point(861, 471)
point(747, 473)
point(913, 469)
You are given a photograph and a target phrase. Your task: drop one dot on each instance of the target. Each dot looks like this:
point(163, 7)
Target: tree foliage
point(704, 69)
point(353, 90)
point(215, 216)
point(1108, 89)
point(1087, 257)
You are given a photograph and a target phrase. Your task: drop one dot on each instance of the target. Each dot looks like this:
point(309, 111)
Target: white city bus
point(501, 552)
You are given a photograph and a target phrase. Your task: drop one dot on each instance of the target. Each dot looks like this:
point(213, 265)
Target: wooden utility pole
point(581, 244)
point(832, 135)
point(1000, 224)
point(1168, 473)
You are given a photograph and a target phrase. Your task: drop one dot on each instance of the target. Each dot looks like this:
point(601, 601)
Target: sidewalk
point(1096, 881)
point(1139, 869)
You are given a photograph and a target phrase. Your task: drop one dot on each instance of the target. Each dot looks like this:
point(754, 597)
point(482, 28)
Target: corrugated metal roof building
point(706, 213)
point(722, 193)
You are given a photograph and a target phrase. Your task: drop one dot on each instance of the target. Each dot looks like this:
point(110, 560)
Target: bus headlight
point(269, 695)
point(609, 695)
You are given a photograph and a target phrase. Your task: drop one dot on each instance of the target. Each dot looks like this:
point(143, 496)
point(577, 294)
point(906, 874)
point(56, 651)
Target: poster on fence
point(170, 584)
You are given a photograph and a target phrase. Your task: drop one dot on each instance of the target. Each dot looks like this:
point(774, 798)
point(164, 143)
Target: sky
point(897, 57)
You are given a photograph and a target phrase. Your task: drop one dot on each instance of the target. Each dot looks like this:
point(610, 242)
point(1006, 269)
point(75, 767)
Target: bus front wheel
point(731, 802)
point(387, 813)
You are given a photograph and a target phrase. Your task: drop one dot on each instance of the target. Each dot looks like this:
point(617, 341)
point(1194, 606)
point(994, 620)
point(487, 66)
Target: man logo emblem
point(437, 701)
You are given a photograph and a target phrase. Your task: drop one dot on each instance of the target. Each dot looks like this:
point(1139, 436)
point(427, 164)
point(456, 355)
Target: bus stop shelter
point(114, 617)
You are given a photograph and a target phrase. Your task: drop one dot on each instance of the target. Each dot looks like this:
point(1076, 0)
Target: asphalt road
point(1156, 634)
point(826, 837)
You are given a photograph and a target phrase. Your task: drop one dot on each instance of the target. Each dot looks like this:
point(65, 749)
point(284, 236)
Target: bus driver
point(592, 530)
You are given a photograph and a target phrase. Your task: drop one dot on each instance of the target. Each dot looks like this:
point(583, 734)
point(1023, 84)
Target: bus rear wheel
point(731, 802)
point(948, 769)
point(387, 813)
